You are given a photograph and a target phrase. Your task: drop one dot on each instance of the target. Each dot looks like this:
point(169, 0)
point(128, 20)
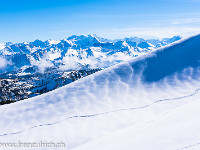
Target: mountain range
point(74, 53)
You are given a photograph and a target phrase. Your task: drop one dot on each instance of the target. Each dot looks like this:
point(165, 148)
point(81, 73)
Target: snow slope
point(149, 103)
point(177, 130)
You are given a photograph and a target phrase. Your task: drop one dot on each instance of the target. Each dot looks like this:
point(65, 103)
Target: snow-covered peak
point(51, 42)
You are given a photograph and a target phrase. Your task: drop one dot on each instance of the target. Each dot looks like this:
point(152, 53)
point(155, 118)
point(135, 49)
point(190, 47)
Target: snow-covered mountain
point(150, 102)
point(75, 52)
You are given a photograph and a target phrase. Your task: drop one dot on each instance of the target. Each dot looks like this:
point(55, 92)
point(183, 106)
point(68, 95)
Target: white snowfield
point(149, 103)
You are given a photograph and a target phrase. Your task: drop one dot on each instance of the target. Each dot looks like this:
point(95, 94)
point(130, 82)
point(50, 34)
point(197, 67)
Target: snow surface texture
point(151, 102)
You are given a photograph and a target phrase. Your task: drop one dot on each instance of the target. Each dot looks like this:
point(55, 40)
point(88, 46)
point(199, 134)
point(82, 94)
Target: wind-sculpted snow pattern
point(105, 113)
point(139, 104)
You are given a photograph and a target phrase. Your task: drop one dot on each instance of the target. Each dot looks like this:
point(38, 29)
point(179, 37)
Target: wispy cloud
point(151, 32)
point(3, 62)
point(195, 1)
point(43, 64)
point(185, 21)
point(187, 1)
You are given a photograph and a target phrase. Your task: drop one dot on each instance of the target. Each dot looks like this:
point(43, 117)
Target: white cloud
point(43, 64)
point(3, 62)
point(70, 63)
point(2, 46)
point(185, 21)
point(151, 32)
point(195, 1)
point(52, 55)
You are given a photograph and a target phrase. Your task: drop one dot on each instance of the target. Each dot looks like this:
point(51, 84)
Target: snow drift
point(146, 103)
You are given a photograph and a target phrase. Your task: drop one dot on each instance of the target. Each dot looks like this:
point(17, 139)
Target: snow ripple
point(104, 113)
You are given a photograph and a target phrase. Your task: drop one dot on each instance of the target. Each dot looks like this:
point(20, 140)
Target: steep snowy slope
point(130, 95)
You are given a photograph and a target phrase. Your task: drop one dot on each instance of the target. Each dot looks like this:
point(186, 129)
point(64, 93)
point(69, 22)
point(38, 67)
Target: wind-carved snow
point(140, 100)
point(105, 113)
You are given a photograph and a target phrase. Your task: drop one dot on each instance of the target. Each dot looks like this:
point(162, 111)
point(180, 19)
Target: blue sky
point(27, 20)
